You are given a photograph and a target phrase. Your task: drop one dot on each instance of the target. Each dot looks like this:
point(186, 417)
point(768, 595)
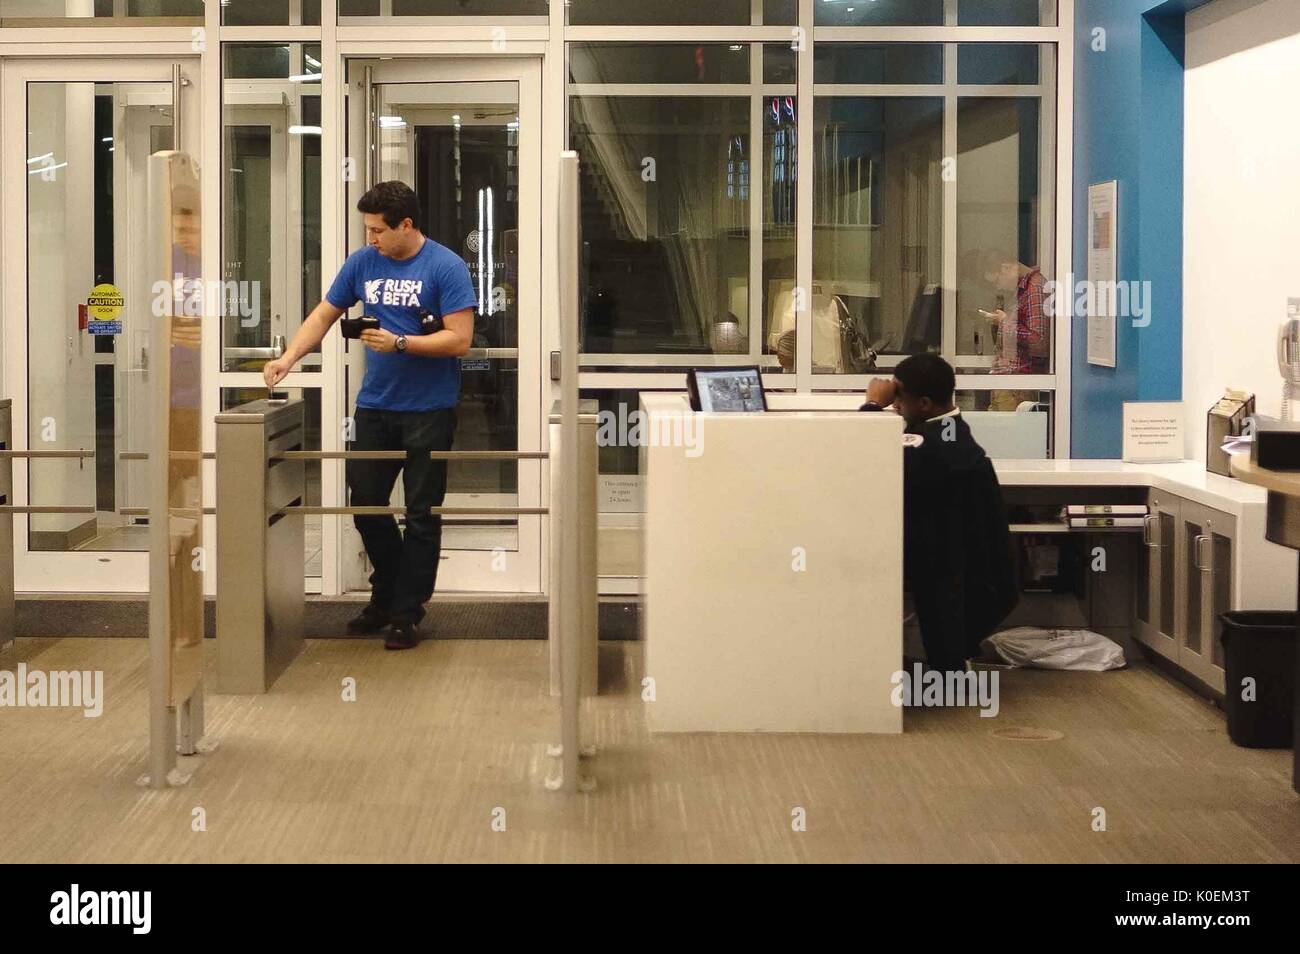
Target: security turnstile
point(260, 545)
point(6, 529)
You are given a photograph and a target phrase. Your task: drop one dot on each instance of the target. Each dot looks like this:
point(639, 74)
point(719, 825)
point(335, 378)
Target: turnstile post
point(260, 546)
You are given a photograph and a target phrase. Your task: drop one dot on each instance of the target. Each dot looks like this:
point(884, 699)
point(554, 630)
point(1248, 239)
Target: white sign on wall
point(620, 493)
point(1103, 230)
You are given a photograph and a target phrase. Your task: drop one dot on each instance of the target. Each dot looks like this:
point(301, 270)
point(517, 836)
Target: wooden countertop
point(1277, 481)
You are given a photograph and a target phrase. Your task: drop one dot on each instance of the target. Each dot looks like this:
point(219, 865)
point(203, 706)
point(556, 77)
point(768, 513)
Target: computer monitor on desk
point(726, 390)
point(924, 325)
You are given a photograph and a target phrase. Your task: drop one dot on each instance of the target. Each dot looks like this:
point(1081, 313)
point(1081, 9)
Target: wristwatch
point(401, 344)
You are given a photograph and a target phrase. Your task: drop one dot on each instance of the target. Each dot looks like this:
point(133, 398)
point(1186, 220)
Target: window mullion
point(948, 335)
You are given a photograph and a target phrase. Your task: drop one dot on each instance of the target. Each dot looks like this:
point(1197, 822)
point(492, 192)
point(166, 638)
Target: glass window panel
point(616, 455)
point(878, 13)
point(312, 282)
point(462, 159)
point(658, 63)
point(1165, 532)
point(271, 263)
point(878, 63)
point(1010, 425)
point(270, 13)
point(1004, 236)
point(162, 8)
point(358, 8)
point(1192, 582)
point(256, 62)
point(469, 8)
point(998, 64)
point(877, 233)
point(1221, 583)
point(780, 64)
point(234, 397)
point(780, 12)
point(13, 13)
point(662, 12)
point(486, 419)
point(779, 211)
point(665, 212)
point(1006, 12)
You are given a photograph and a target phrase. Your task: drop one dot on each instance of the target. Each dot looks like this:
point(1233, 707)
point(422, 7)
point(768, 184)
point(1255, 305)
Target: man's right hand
point(881, 391)
point(273, 372)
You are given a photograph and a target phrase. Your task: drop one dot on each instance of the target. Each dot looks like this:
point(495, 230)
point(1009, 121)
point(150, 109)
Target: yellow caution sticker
point(104, 303)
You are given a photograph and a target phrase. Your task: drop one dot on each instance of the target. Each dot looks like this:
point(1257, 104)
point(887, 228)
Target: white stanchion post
point(567, 589)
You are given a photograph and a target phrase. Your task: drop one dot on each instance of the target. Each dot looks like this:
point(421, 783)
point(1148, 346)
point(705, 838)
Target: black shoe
point(371, 620)
point(403, 635)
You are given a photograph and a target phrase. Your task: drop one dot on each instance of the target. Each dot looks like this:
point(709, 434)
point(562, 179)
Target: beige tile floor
point(442, 736)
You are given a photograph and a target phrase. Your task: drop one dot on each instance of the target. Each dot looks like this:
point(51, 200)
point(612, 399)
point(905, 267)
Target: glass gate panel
point(89, 305)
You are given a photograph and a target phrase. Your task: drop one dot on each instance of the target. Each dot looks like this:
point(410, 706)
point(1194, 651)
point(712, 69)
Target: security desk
point(773, 569)
point(773, 560)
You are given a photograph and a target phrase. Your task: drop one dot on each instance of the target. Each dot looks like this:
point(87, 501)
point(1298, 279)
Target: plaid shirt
point(1030, 330)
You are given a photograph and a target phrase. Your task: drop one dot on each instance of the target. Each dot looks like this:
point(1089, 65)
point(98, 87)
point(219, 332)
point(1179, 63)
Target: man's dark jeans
point(405, 568)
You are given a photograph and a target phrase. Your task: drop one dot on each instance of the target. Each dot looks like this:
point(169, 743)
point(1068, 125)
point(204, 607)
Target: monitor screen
point(727, 389)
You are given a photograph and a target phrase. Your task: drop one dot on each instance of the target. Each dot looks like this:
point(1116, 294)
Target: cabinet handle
point(1196, 552)
point(1146, 529)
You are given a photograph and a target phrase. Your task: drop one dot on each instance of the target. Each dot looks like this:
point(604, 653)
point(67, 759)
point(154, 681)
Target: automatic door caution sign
point(103, 305)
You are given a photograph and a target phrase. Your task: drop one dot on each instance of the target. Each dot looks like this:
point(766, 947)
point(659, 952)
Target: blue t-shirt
point(436, 279)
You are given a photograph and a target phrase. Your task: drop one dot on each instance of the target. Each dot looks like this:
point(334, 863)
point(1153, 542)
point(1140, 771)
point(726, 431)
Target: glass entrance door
point(465, 134)
point(77, 317)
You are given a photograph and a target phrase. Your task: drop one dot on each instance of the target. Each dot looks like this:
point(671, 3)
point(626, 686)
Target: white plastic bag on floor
point(1055, 649)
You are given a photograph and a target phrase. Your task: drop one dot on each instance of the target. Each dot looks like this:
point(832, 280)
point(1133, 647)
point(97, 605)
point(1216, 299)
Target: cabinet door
point(1157, 590)
point(1215, 558)
point(1193, 640)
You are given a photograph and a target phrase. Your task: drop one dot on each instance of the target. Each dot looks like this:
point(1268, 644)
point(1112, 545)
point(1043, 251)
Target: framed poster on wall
point(1103, 215)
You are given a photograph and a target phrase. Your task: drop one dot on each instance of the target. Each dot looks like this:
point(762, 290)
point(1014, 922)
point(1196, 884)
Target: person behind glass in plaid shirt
point(1022, 340)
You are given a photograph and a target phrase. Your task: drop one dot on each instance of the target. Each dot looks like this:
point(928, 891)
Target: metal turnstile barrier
point(260, 534)
point(261, 545)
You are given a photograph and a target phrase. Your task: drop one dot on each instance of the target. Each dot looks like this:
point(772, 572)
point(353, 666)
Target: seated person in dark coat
point(957, 560)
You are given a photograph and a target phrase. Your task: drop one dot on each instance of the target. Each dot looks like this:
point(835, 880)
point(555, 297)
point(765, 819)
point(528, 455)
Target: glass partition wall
point(927, 223)
point(822, 202)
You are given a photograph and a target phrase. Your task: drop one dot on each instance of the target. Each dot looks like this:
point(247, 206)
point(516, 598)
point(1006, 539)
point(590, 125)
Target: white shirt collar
point(939, 417)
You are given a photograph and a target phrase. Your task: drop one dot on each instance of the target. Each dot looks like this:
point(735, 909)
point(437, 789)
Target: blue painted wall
point(1128, 126)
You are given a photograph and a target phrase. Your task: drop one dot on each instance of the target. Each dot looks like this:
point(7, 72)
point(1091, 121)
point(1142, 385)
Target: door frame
point(66, 571)
point(473, 570)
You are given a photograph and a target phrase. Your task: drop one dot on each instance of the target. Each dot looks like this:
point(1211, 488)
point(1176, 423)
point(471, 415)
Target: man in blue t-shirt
point(407, 400)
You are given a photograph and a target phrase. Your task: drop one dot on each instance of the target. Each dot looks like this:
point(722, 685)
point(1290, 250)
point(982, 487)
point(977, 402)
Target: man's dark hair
point(927, 375)
point(394, 201)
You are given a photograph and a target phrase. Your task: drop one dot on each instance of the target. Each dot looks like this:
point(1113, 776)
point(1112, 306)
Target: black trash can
point(1260, 645)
